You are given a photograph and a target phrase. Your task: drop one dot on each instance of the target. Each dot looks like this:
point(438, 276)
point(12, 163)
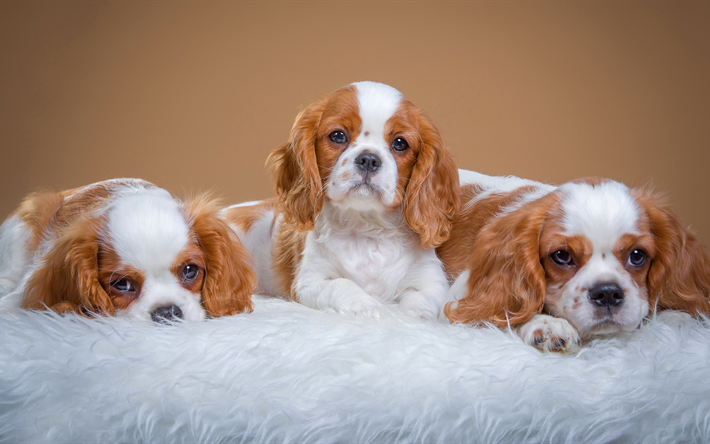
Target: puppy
point(124, 247)
point(366, 189)
point(561, 264)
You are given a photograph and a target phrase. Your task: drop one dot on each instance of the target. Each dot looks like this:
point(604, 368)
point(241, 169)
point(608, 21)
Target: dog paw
point(550, 334)
point(364, 306)
point(419, 306)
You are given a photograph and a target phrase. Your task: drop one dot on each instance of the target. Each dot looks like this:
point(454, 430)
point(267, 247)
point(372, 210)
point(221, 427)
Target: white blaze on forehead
point(147, 229)
point(601, 213)
point(377, 102)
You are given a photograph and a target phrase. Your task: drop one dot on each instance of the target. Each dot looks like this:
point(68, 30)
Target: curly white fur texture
point(287, 373)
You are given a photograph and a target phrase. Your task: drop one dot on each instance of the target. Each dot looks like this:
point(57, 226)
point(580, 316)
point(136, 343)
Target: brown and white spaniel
point(123, 247)
point(365, 190)
point(589, 257)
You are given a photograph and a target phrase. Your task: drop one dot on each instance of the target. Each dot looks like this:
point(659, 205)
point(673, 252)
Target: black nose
point(606, 294)
point(368, 162)
point(166, 313)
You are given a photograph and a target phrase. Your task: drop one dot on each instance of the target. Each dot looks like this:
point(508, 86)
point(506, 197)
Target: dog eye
point(123, 285)
point(637, 258)
point(338, 137)
point(190, 272)
point(399, 144)
point(562, 257)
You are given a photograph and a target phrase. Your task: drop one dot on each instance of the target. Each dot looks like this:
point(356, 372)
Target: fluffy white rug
point(286, 373)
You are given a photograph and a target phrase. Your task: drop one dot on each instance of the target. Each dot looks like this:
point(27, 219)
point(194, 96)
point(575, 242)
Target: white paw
point(417, 305)
point(361, 305)
point(550, 334)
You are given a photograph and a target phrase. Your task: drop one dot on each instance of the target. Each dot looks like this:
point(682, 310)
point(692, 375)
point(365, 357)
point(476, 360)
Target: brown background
point(194, 95)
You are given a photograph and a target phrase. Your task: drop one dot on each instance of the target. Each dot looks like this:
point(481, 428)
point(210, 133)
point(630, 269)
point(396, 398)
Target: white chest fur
point(377, 264)
point(375, 253)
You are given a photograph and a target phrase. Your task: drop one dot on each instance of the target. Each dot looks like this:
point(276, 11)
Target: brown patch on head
point(630, 242)
point(244, 217)
point(404, 123)
point(507, 281)
point(552, 240)
point(111, 270)
point(340, 113)
point(229, 278)
point(192, 256)
point(427, 174)
point(301, 167)
point(85, 200)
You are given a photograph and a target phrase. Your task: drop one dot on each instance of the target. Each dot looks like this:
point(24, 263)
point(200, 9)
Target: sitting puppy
point(123, 246)
point(366, 190)
point(594, 255)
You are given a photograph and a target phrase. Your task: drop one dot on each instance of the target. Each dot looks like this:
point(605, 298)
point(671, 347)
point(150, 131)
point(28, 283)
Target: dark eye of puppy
point(338, 137)
point(190, 272)
point(399, 144)
point(123, 285)
point(637, 258)
point(563, 258)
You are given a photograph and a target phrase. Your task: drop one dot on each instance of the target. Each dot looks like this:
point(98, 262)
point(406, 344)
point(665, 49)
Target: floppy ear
point(679, 274)
point(294, 170)
point(433, 197)
point(506, 284)
point(37, 211)
point(67, 279)
point(229, 278)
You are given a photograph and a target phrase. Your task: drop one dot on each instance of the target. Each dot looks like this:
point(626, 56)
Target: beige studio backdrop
point(194, 95)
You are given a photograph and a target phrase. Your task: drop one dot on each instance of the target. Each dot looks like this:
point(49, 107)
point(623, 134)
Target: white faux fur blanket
point(286, 373)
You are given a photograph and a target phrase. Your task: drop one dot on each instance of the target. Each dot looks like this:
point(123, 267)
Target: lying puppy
point(593, 255)
point(366, 190)
point(123, 246)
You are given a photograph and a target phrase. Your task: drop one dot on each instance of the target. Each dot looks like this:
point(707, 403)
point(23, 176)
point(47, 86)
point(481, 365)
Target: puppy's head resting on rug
point(366, 149)
point(128, 247)
point(592, 252)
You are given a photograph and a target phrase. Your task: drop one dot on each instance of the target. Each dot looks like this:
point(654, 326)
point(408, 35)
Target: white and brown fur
point(504, 252)
point(366, 190)
point(123, 247)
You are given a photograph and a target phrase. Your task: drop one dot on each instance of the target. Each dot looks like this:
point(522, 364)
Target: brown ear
point(433, 197)
point(294, 170)
point(67, 279)
point(229, 277)
point(679, 274)
point(506, 285)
